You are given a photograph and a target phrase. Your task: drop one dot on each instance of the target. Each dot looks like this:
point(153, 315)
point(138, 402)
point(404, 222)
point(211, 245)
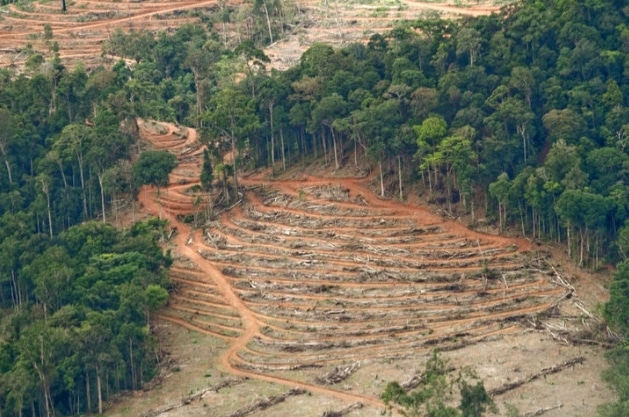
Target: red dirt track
point(319, 272)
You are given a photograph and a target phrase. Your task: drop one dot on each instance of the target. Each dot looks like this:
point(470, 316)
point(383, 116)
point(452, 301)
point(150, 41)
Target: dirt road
point(314, 273)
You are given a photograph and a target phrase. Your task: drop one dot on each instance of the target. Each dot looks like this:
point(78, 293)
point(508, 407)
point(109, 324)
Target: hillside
point(314, 277)
point(31, 27)
point(403, 183)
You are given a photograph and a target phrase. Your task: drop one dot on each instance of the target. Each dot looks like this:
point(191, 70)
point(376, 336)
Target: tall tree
point(432, 130)
point(207, 172)
point(201, 62)
point(6, 138)
point(153, 168)
point(232, 114)
point(254, 60)
point(324, 113)
point(74, 142)
point(433, 395)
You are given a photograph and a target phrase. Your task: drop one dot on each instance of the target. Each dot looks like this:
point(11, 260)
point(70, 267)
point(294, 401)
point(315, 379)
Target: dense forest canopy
point(521, 115)
point(77, 314)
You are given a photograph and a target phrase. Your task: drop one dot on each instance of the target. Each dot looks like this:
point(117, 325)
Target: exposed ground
point(81, 30)
point(315, 283)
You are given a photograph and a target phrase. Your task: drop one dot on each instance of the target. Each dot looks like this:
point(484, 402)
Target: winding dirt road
point(250, 324)
point(318, 272)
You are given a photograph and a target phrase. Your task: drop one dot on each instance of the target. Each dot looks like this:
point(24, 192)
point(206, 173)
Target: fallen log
point(590, 342)
point(543, 411)
point(338, 374)
point(263, 368)
point(412, 383)
point(265, 403)
point(545, 371)
point(343, 411)
point(226, 383)
point(194, 397)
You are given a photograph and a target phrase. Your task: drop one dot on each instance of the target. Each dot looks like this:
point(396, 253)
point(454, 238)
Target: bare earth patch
point(315, 284)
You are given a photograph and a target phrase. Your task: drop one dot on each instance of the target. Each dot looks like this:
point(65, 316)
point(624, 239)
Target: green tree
point(201, 62)
point(500, 191)
point(324, 114)
point(432, 130)
point(468, 42)
point(207, 172)
point(232, 115)
point(586, 213)
point(616, 313)
point(153, 167)
point(622, 242)
point(74, 142)
point(616, 310)
point(254, 60)
point(434, 394)
point(156, 297)
point(107, 150)
point(40, 348)
point(455, 153)
point(95, 337)
point(6, 139)
point(563, 124)
point(207, 177)
point(52, 275)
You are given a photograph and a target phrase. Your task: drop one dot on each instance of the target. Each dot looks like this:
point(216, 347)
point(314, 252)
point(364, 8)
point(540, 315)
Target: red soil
point(304, 278)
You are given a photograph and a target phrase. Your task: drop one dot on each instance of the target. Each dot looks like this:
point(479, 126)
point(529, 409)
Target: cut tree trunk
point(6, 163)
point(381, 178)
point(336, 158)
point(88, 393)
point(268, 22)
point(399, 169)
point(102, 195)
point(99, 390)
point(80, 159)
point(272, 129)
point(282, 145)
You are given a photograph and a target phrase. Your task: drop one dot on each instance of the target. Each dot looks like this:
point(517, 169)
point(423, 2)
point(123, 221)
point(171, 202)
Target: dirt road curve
point(309, 273)
point(250, 325)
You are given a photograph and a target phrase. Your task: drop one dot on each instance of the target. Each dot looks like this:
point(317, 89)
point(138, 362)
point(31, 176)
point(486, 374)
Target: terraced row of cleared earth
point(314, 282)
point(82, 29)
point(308, 276)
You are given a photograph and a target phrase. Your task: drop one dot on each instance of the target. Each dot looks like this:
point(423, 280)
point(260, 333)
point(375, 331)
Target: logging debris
point(338, 374)
point(543, 411)
point(545, 371)
point(263, 404)
point(343, 411)
point(229, 382)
